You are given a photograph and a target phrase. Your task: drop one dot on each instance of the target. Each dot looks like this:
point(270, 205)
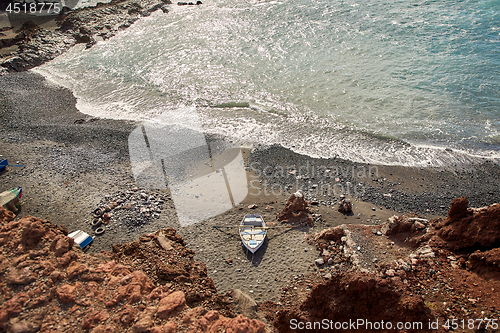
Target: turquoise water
point(392, 82)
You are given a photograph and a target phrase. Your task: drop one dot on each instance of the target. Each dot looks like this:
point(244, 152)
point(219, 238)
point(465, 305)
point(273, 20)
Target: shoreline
point(73, 161)
point(33, 40)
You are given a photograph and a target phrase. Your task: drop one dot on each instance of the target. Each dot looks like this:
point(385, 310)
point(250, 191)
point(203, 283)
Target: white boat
point(252, 232)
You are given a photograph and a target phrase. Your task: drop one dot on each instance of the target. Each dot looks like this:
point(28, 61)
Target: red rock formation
point(296, 210)
point(48, 285)
point(436, 273)
point(458, 208)
point(470, 229)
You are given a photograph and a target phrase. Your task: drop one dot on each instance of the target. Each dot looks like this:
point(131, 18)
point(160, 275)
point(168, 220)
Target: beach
point(416, 161)
point(71, 162)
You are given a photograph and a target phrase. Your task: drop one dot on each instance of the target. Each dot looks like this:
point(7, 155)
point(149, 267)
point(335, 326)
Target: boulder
point(458, 208)
point(61, 244)
point(171, 304)
point(296, 210)
point(345, 207)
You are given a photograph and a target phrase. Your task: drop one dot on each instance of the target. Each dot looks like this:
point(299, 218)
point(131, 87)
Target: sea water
point(395, 82)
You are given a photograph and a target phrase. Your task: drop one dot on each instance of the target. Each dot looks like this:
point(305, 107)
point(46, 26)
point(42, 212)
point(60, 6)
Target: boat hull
point(252, 232)
point(3, 164)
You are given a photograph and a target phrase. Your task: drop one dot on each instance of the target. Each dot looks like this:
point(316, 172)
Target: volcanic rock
point(172, 303)
point(296, 210)
point(345, 206)
point(51, 286)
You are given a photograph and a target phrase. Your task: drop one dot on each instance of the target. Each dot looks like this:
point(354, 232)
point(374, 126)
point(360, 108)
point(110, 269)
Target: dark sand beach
point(72, 162)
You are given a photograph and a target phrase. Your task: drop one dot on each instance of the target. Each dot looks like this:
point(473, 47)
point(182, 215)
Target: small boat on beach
point(11, 199)
point(3, 164)
point(252, 232)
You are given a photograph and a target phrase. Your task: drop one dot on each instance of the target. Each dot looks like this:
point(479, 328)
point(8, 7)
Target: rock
point(390, 273)
point(145, 322)
point(243, 324)
point(127, 315)
point(75, 269)
point(244, 304)
point(345, 206)
point(319, 262)
point(165, 243)
point(252, 206)
point(33, 231)
point(458, 208)
point(296, 210)
point(419, 225)
point(66, 293)
point(93, 317)
point(104, 329)
point(24, 327)
point(61, 244)
point(171, 304)
point(6, 215)
point(192, 315)
point(398, 224)
point(470, 230)
point(170, 327)
point(164, 9)
point(23, 276)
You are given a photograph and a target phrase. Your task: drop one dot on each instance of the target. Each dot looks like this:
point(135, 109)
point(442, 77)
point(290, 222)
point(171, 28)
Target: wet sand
point(73, 161)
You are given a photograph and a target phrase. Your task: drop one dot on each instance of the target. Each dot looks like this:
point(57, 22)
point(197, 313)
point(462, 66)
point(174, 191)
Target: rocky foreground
point(407, 270)
point(443, 273)
point(150, 285)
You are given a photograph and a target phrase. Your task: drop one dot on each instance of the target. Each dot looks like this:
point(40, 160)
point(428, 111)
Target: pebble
point(319, 261)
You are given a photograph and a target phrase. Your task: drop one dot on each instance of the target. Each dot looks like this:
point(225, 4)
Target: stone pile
point(130, 208)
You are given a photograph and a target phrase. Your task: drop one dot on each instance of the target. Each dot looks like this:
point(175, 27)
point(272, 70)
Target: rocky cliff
point(408, 270)
point(152, 284)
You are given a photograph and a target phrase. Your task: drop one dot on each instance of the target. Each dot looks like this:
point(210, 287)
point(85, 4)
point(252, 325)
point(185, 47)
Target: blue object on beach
point(3, 164)
point(81, 238)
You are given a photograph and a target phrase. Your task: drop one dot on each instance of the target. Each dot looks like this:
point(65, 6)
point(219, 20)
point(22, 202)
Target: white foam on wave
point(337, 141)
point(321, 107)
